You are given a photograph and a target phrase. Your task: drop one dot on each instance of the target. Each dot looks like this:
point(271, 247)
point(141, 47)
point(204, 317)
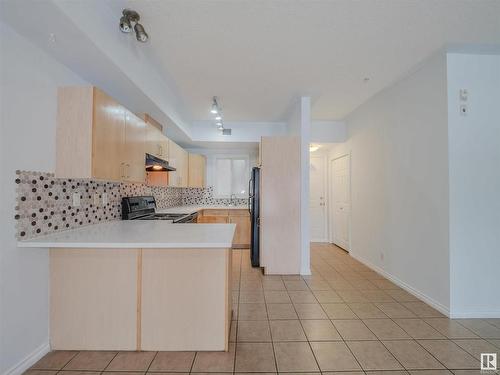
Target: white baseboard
point(475, 314)
point(430, 301)
point(305, 272)
point(29, 360)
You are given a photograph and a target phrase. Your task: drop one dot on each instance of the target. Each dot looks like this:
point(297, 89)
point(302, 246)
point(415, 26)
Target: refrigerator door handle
point(249, 196)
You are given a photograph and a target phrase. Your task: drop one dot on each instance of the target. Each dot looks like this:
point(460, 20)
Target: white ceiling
point(258, 55)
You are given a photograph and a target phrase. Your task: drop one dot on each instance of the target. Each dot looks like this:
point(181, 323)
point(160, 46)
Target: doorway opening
point(329, 194)
point(340, 198)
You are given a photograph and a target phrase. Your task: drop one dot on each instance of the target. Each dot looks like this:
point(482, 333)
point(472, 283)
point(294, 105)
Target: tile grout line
point(269, 325)
point(240, 253)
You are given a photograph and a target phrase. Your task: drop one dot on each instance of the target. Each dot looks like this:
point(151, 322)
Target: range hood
point(154, 164)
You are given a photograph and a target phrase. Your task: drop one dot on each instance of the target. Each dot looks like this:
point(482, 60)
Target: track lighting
point(131, 16)
point(217, 111)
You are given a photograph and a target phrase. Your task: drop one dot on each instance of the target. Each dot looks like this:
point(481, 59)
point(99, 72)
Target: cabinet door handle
point(127, 166)
point(122, 170)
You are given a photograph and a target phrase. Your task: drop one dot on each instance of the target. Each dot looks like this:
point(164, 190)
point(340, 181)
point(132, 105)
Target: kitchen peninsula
point(140, 285)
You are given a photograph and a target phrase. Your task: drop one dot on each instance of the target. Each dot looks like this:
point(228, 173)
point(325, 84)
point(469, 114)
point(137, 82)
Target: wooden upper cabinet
point(185, 168)
point(173, 179)
point(97, 137)
point(108, 138)
point(134, 157)
point(156, 142)
point(179, 159)
point(196, 170)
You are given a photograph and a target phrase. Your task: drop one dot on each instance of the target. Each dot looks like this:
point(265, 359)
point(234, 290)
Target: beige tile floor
point(343, 318)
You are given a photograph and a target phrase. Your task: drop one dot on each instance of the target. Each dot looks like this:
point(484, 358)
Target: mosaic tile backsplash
point(205, 196)
point(45, 203)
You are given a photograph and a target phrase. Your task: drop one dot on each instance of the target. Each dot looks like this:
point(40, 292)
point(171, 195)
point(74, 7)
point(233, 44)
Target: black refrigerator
point(254, 208)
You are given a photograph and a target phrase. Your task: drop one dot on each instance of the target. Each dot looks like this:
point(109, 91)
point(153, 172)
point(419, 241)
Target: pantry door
point(341, 201)
point(317, 201)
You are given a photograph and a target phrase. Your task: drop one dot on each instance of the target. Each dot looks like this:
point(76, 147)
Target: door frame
point(331, 192)
point(326, 197)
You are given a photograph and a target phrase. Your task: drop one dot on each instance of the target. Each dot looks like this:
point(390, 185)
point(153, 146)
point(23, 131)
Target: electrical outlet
point(96, 199)
point(463, 110)
point(464, 95)
point(104, 199)
point(76, 199)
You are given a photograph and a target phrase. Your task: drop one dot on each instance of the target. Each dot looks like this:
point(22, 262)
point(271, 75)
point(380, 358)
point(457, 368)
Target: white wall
point(29, 78)
point(399, 182)
point(328, 131)
point(474, 158)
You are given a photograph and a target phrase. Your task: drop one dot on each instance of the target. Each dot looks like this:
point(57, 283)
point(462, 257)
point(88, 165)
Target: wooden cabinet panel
point(196, 170)
point(157, 178)
point(134, 150)
point(280, 250)
point(215, 212)
point(163, 143)
point(153, 138)
point(74, 132)
point(173, 160)
point(242, 233)
point(178, 158)
point(93, 299)
point(212, 219)
point(184, 165)
point(108, 138)
point(243, 212)
point(186, 299)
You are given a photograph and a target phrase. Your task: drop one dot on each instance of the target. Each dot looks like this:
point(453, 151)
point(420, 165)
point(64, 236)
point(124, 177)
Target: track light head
point(125, 25)
point(140, 33)
point(215, 106)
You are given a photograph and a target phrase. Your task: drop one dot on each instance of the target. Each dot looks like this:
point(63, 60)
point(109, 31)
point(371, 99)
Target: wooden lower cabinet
point(234, 216)
point(242, 234)
point(140, 299)
point(212, 219)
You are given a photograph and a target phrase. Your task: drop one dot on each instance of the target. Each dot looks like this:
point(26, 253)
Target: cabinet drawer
point(215, 212)
point(238, 212)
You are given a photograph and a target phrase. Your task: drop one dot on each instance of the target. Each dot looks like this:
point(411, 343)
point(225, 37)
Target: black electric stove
point(144, 208)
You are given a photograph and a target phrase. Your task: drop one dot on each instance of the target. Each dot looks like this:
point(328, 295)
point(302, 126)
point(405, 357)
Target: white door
point(341, 207)
point(317, 202)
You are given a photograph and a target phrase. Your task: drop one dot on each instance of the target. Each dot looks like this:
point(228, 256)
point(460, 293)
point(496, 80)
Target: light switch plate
point(96, 199)
point(76, 199)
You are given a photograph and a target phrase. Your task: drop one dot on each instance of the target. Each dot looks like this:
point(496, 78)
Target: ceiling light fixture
point(131, 16)
point(215, 106)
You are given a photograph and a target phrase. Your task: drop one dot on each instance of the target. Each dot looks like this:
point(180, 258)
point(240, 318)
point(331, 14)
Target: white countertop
point(139, 234)
point(193, 208)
